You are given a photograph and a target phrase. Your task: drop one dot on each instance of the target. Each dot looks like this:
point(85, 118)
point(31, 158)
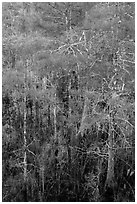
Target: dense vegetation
point(68, 101)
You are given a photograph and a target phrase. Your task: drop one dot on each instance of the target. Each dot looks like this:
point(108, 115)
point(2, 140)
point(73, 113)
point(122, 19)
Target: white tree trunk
point(110, 167)
point(25, 132)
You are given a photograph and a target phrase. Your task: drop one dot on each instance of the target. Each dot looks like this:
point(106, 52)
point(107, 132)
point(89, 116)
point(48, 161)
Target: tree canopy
point(68, 95)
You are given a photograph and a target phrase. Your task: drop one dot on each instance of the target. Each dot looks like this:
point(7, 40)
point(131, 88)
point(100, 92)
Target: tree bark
point(110, 180)
point(84, 114)
point(37, 115)
point(25, 131)
point(110, 168)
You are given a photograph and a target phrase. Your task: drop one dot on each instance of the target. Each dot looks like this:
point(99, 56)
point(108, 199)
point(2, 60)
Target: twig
point(31, 152)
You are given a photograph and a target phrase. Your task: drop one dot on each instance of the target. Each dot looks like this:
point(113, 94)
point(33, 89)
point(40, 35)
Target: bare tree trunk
point(56, 173)
point(25, 142)
point(25, 132)
point(55, 137)
point(84, 114)
point(37, 115)
point(110, 180)
point(110, 168)
point(55, 122)
point(69, 133)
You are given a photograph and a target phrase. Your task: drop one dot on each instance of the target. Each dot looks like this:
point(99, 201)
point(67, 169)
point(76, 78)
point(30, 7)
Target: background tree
point(68, 101)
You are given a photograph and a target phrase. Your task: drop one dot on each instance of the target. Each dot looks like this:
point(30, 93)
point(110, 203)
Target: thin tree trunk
point(55, 137)
point(56, 175)
point(55, 123)
point(69, 134)
point(110, 180)
point(84, 114)
point(25, 143)
point(25, 133)
point(70, 15)
point(110, 168)
point(42, 171)
point(37, 115)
